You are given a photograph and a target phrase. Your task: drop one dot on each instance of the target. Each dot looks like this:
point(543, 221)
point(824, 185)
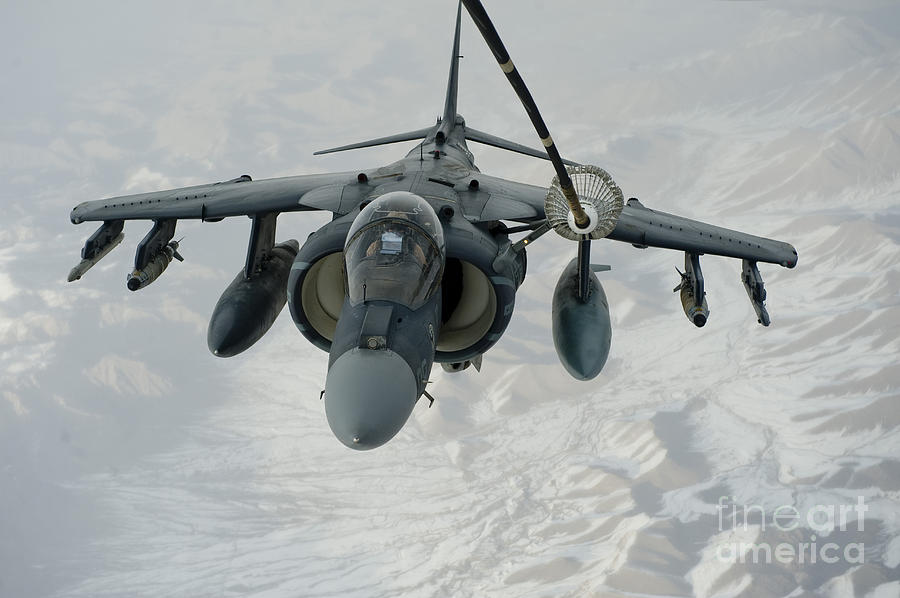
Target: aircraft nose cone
point(368, 397)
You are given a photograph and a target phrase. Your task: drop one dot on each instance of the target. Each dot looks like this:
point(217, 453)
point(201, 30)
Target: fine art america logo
point(820, 519)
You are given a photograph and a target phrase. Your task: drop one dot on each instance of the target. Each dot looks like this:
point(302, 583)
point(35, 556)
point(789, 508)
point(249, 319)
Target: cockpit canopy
point(394, 251)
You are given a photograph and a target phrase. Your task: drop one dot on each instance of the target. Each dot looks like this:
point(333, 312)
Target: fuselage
point(412, 276)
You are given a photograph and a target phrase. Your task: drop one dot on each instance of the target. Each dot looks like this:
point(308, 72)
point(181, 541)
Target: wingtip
point(74, 217)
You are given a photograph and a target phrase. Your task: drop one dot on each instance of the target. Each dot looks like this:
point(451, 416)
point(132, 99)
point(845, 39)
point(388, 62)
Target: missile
point(756, 290)
point(249, 306)
point(582, 332)
point(698, 314)
point(87, 263)
point(693, 297)
point(141, 278)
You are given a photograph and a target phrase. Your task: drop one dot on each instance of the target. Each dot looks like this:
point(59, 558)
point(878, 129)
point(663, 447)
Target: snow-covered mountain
point(134, 463)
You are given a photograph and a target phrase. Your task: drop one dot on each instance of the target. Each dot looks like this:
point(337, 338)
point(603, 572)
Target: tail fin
point(448, 121)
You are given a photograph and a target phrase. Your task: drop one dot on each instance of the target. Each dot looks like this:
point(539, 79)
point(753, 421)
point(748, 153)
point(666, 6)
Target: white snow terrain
point(134, 463)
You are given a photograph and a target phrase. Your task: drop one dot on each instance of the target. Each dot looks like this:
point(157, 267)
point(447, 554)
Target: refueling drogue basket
point(598, 193)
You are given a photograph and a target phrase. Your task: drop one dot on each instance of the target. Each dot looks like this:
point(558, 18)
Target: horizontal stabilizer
point(410, 136)
point(488, 139)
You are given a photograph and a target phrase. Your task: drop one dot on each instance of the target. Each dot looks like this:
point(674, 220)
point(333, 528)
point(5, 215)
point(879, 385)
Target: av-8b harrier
point(420, 263)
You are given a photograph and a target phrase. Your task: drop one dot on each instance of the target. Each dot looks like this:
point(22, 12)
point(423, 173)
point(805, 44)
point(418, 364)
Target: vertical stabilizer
point(448, 120)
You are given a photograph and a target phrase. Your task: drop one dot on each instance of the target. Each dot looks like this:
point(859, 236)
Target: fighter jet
point(421, 260)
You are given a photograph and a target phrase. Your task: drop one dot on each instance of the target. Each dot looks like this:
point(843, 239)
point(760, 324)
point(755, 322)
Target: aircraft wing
point(237, 197)
point(644, 227)
point(261, 200)
point(510, 200)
